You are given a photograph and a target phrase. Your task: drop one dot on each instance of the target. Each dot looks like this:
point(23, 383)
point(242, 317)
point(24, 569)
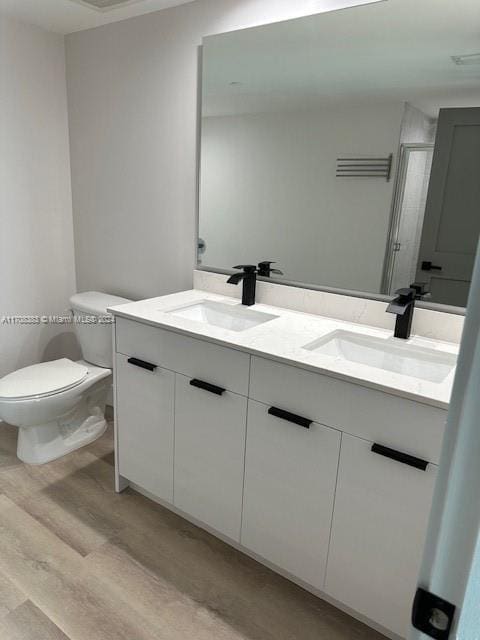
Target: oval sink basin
point(225, 316)
point(387, 354)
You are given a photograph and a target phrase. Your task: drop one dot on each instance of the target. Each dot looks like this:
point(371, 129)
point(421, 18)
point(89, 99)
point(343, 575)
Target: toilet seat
point(41, 380)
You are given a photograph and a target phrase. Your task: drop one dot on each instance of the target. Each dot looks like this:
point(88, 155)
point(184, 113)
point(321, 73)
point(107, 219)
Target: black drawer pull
point(206, 386)
point(142, 364)
point(290, 417)
point(405, 458)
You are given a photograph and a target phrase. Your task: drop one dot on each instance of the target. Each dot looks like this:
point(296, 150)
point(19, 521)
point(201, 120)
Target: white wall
point(132, 89)
point(269, 191)
point(37, 273)
point(417, 126)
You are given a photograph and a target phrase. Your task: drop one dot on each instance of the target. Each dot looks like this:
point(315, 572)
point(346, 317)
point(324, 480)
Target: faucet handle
point(407, 293)
point(248, 268)
point(421, 290)
point(265, 269)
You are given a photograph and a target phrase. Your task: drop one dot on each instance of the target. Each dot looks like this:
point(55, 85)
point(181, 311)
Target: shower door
point(409, 209)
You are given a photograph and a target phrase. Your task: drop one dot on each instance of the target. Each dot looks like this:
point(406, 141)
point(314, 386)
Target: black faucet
point(265, 269)
point(249, 277)
point(403, 306)
point(421, 290)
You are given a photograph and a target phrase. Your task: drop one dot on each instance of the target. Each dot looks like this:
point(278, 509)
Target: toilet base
point(47, 442)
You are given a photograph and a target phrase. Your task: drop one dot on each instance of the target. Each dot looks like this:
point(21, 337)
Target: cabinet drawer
point(390, 420)
point(144, 422)
point(191, 357)
point(209, 454)
point(379, 527)
point(290, 475)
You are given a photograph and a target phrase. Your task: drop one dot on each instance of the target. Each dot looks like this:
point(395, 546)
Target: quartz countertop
point(284, 338)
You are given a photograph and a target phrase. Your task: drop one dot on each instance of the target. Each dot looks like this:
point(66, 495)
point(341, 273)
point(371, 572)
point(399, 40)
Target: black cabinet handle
point(142, 364)
point(290, 417)
point(399, 456)
point(428, 266)
point(206, 386)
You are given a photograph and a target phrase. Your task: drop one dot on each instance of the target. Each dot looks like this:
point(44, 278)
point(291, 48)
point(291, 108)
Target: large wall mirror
point(345, 147)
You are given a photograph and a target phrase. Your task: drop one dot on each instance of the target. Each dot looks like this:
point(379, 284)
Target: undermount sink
point(226, 316)
point(386, 354)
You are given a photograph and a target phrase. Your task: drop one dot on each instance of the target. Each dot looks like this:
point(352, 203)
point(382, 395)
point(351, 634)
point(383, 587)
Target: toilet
point(59, 406)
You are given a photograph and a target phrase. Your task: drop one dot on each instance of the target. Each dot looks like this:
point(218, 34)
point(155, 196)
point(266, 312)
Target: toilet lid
point(42, 379)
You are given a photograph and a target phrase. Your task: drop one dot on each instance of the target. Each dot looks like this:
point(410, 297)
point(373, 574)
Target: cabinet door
point(145, 403)
point(379, 525)
point(290, 475)
point(209, 455)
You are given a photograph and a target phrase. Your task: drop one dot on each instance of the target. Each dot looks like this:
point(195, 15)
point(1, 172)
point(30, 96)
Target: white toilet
point(59, 406)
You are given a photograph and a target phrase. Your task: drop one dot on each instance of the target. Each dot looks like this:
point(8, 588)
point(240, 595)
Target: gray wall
point(37, 274)
point(132, 94)
point(269, 191)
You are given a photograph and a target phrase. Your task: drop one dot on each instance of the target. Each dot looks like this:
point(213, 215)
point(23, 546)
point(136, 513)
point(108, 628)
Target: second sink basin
point(387, 354)
point(226, 316)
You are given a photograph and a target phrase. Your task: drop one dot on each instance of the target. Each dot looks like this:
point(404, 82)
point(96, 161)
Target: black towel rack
point(365, 167)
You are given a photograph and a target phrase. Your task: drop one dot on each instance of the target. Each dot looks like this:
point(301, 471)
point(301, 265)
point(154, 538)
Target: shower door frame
point(398, 197)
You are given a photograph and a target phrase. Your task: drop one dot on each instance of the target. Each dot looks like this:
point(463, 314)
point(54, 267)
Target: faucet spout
point(236, 278)
point(249, 277)
point(402, 306)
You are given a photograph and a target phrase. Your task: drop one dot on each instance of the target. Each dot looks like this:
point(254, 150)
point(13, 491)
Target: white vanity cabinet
point(210, 425)
point(278, 460)
point(290, 474)
point(379, 524)
point(197, 394)
point(144, 422)
point(382, 503)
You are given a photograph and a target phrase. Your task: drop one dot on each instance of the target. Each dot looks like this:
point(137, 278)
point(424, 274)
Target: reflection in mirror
point(346, 147)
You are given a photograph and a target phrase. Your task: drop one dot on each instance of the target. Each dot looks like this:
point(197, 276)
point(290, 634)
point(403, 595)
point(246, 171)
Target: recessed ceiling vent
point(105, 5)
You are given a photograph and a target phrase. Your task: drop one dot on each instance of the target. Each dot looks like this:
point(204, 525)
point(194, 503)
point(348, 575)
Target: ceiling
point(66, 16)
point(394, 51)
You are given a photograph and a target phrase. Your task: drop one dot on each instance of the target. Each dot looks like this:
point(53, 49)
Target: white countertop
point(284, 338)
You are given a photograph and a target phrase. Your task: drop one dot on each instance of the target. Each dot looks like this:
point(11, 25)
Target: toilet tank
point(93, 325)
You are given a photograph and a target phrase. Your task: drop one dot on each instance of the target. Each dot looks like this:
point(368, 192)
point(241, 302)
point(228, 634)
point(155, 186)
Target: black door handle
point(142, 364)
point(399, 456)
point(428, 266)
point(206, 386)
point(290, 417)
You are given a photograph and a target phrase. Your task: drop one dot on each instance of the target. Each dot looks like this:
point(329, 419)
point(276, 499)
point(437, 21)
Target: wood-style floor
point(79, 562)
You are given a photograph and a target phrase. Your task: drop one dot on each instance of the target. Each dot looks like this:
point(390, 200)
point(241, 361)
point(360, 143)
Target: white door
point(452, 216)
point(290, 474)
point(210, 425)
point(145, 403)
point(379, 526)
point(451, 561)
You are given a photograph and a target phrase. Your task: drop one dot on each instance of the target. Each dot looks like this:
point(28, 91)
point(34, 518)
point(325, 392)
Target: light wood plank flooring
point(79, 562)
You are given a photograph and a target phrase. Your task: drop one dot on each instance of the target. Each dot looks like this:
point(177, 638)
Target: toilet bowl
point(59, 406)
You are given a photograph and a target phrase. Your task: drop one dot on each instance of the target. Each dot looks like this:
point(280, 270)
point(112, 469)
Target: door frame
point(398, 196)
point(450, 568)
